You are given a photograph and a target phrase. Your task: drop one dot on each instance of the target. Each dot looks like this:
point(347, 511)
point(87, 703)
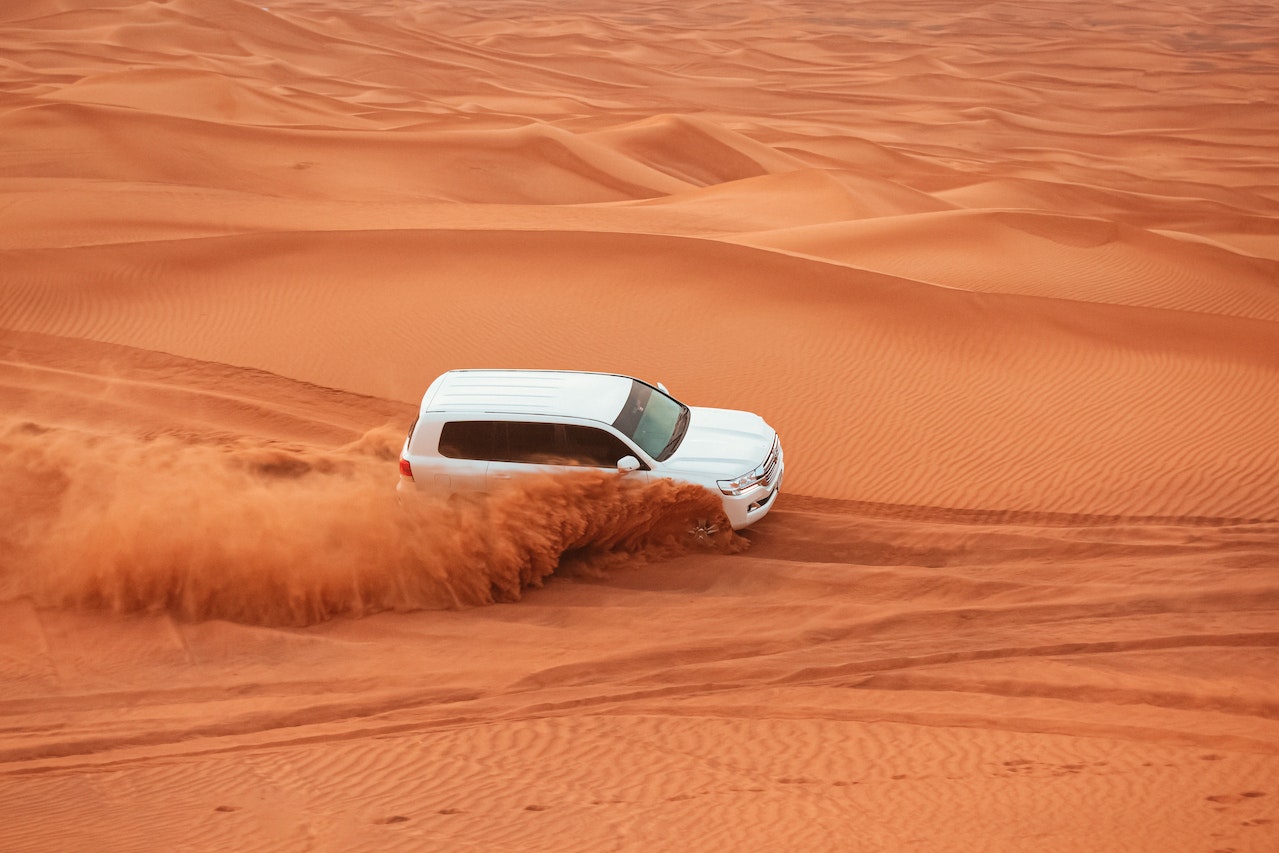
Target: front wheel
point(704, 530)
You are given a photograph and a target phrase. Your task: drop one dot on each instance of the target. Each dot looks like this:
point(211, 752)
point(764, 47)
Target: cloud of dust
point(293, 535)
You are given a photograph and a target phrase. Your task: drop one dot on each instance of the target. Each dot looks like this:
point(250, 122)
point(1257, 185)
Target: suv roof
point(595, 396)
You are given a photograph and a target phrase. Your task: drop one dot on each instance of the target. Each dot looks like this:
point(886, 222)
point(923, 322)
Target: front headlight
point(737, 485)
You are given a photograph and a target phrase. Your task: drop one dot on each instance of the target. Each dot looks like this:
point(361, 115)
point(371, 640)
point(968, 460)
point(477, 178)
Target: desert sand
point(1005, 278)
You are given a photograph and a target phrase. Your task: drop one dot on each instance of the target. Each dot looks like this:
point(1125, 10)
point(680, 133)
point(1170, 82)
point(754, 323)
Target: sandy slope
point(1004, 277)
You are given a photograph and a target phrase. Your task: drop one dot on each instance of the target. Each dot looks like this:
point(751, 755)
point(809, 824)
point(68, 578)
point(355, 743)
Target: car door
point(530, 447)
point(592, 447)
point(467, 448)
point(524, 447)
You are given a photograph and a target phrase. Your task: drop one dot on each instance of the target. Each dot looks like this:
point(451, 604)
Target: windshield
point(653, 420)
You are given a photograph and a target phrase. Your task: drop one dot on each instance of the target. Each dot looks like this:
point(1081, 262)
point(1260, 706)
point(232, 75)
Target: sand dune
point(527, 165)
point(850, 353)
point(787, 200)
point(200, 94)
point(1071, 257)
point(695, 151)
point(1005, 278)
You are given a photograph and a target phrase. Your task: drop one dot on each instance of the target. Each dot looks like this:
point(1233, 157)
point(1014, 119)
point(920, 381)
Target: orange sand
point(1004, 277)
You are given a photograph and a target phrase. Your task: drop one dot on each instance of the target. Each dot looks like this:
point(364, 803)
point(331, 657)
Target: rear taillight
point(406, 470)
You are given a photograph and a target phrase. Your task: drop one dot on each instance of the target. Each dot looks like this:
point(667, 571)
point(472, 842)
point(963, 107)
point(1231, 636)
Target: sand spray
point(274, 534)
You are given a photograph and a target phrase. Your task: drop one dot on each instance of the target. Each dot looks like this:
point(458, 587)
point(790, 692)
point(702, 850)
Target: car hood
point(722, 442)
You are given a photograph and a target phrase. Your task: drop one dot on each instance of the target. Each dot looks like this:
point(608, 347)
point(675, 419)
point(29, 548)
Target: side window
point(530, 442)
point(468, 439)
point(594, 447)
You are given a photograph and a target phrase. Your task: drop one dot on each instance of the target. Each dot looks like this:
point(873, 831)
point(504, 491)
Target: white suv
point(477, 428)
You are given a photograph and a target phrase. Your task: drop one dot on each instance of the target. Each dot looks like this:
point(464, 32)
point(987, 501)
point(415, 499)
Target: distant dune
point(1004, 278)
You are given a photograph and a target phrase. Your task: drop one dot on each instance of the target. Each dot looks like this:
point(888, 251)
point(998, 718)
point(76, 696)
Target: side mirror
point(662, 388)
point(627, 464)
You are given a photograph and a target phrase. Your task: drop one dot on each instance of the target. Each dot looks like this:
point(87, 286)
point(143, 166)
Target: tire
point(704, 530)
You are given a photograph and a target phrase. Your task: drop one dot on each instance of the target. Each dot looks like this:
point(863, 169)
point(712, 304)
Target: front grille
point(770, 464)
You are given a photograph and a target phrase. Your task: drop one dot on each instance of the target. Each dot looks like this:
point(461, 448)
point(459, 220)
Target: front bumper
point(750, 506)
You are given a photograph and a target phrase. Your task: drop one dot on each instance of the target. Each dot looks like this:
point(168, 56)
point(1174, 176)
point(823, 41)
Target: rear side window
point(530, 442)
point(501, 441)
point(469, 439)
